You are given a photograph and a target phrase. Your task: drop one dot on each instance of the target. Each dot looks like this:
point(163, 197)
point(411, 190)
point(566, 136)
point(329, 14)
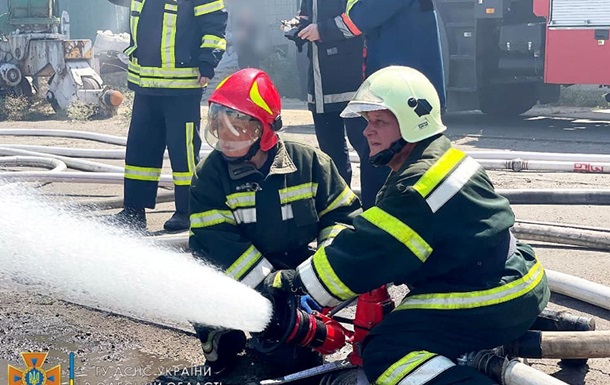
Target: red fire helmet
point(251, 91)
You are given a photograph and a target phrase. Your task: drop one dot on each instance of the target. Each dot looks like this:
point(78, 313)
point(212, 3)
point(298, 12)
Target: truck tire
point(508, 99)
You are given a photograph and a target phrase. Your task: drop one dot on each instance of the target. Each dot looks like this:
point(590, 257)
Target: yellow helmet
point(408, 94)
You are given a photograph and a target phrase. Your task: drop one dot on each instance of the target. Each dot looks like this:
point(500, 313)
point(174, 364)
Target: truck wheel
point(508, 100)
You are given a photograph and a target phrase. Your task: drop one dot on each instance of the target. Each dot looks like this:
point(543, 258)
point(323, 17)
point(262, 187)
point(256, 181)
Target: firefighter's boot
point(130, 217)
point(178, 222)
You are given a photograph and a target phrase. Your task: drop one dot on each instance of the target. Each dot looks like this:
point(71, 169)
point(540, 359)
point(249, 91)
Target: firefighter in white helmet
point(439, 227)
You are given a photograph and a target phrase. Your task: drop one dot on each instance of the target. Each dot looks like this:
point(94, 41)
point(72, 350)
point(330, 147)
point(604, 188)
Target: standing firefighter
point(175, 47)
point(439, 227)
point(258, 202)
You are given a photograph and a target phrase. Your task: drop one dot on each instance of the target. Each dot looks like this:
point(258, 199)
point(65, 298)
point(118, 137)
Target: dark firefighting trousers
point(421, 346)
point(158, 122)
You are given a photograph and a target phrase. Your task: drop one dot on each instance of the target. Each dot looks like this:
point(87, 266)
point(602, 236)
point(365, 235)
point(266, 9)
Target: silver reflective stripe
point(343, 27)
point(214, 6)
point(258, 274)
point(298, 192)
point(317, 72)
point(346, 198)
point(211, 217)
point(142, 173)
point(186, 73)
point(244, 262)
point(182, 178)
point(450, 186)
point(474, 299)
point(246, 199)
point(313, 285)
point(245, 215)
point(428, 371)
point(338, 98)
point(287, 212)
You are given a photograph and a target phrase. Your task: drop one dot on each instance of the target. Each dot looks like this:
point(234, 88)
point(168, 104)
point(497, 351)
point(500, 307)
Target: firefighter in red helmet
point(253, 182)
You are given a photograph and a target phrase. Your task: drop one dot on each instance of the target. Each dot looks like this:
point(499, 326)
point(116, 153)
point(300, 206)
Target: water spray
point(53, 250)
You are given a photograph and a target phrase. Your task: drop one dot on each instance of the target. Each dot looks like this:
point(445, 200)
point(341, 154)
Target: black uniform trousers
point(158, 122)
point(330, 133)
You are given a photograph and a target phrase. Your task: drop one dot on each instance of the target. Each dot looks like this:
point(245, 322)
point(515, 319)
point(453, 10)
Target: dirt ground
point(114, 350)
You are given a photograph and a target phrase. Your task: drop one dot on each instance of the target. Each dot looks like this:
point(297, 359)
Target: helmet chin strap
point(384, 157)
point(246, 158)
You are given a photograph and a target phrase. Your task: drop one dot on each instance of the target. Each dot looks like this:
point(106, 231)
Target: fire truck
point(504, 56)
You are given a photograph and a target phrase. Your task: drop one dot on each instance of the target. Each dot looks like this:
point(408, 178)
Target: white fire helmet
point(408, 94)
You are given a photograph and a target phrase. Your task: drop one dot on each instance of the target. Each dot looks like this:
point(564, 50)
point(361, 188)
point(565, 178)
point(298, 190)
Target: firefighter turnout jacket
point(172, 43)
point(397, 32)
point(250, 224)
point(335, 61)
point(438, 226)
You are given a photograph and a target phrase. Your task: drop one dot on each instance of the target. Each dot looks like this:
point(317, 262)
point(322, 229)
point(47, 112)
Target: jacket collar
point(282, 164)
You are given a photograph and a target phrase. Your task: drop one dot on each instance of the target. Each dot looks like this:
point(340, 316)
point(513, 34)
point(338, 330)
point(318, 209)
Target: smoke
point(63, 254)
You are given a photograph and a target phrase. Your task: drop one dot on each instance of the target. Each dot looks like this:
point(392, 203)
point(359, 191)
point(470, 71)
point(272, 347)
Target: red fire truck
point(503, 56)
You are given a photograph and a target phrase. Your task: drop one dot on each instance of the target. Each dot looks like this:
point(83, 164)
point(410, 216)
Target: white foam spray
point(66, 255)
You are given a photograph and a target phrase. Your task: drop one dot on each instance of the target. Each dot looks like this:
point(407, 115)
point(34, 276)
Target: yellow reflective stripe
point(328, 276)
point(346, 198)
point(295, 193)
point(256, 97)
point(438, 171)
point(452, 184)
point(162, 83)
point(241, 199)
point(244, 262)
point(402, 367)
point(349, 5)
point(180, 73)
point(211, 41)
point(190, 147)
point(313, 285)
point(182, 178)
point(214, 6)
point(399, 230)
point(474, 299)
point(211, 218)
point(142, 173)
point(258, 273)
point(136, 8)
point(168, 37)
point(331, 232)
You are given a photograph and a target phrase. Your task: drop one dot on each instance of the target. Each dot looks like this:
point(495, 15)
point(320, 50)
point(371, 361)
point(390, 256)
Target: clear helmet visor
point(230, 131)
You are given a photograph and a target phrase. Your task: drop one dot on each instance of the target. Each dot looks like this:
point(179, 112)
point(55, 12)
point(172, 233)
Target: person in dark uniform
point(175, 47)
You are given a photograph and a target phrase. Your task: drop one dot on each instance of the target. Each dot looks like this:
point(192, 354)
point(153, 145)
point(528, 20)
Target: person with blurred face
point(439, 227)
point(258, 202)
